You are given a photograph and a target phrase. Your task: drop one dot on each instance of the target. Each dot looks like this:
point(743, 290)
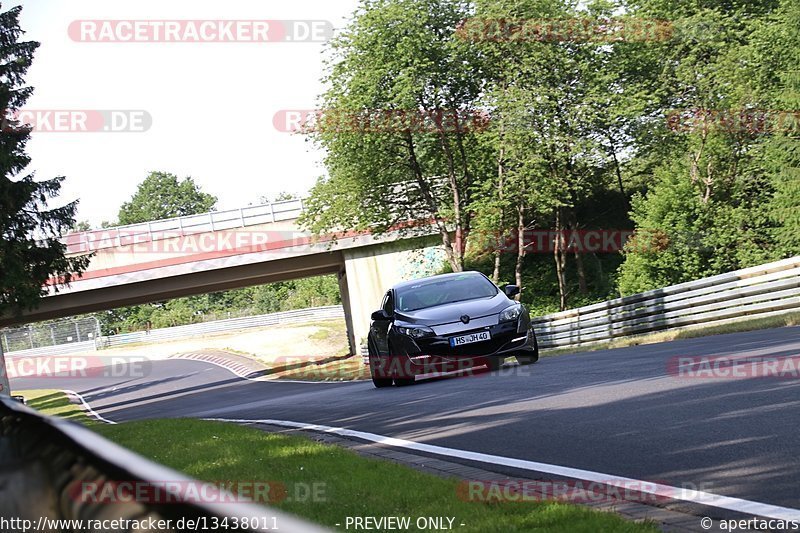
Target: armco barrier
point(756, 292)
point(43, 459)
point(58, 349)
point(218, 326)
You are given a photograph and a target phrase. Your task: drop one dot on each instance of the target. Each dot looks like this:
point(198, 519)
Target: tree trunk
point(496, 271)
point(500, 182)
point(5, 387)
point(455, 191)
point(520, 245)
point(618, 171)
point(583, 287)
point(455, 255)
point(560, 257)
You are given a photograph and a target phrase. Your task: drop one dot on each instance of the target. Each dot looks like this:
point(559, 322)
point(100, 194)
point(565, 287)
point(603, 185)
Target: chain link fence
point(51, 333)
point(74, 335)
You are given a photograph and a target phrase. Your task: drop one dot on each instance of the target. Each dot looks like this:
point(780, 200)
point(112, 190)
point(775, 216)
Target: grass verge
point(343, 368)
point(342, 483)
point(56, 403)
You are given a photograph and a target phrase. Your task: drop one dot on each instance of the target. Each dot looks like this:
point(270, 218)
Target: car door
point(380, 328)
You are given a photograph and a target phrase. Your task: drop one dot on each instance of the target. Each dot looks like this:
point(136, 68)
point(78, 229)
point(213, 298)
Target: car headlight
point(510, 314)
point(416, 332)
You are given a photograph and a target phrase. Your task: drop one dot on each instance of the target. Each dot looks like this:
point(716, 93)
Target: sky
point(211, 103)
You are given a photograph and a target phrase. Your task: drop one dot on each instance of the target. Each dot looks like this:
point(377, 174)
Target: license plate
point(468, 339)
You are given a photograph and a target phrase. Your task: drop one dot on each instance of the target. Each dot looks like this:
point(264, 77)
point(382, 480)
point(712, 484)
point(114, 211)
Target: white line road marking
point(658, 489)
point(87, 407)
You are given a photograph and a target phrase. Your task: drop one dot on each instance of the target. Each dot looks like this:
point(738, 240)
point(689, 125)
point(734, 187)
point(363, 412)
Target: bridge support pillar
point(5, 386)
point(371, 270)
point(344, 290)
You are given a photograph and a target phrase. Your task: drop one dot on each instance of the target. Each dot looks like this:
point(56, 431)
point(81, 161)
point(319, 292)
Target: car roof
point(409, 283)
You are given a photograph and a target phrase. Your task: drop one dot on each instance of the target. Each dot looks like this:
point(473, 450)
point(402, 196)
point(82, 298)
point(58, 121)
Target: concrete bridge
point(223, 250)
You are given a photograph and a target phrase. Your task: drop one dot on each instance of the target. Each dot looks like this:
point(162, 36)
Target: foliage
point(30, 250)
point(400, 127)
point(162, 195)
point(652, 131)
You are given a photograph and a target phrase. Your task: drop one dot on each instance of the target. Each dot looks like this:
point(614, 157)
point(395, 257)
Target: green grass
point(351, 485)
point(343, 368)
point(330, 330)
point(56, 403)
point(790, 319)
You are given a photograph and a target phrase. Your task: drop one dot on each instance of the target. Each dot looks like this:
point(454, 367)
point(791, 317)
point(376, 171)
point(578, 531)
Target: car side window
point(388, 303)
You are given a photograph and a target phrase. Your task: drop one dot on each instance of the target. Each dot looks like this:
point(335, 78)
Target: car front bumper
point(413, 357)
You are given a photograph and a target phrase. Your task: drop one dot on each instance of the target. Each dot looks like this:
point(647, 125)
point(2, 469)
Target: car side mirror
point(380, 314)
point(511, 290)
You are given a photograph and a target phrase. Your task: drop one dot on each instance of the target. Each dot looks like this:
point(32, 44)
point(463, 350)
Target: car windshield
point(438, 291)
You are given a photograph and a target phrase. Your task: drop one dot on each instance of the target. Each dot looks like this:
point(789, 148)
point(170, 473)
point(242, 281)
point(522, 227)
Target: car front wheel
point(495, 363)
point(527, 359)
point(381, 382)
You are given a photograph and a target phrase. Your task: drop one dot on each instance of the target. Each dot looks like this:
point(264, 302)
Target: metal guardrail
point(168, 228)
point(219, 326)
point(58, 349)
point(756, 292)
point(45, 462)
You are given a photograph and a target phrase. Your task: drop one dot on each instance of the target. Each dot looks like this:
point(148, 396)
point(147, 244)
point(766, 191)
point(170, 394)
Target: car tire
point(404, 382)
point(527, 359)
point(381, 382)
point(495, 363)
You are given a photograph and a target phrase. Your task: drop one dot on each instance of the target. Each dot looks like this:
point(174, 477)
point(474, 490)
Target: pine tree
point(30, 250)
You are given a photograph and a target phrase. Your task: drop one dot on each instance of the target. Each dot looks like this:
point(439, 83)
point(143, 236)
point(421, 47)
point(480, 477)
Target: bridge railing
point(757, 292)
point(87, 241)
point(47, 464)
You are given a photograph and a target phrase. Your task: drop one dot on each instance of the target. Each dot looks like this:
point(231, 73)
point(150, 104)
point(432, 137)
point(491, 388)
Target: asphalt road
point(619, 412)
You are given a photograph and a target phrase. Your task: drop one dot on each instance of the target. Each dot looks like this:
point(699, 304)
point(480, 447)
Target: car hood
point(448, 313)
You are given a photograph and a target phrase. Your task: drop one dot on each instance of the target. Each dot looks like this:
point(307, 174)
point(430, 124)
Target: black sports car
point(447, 323)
